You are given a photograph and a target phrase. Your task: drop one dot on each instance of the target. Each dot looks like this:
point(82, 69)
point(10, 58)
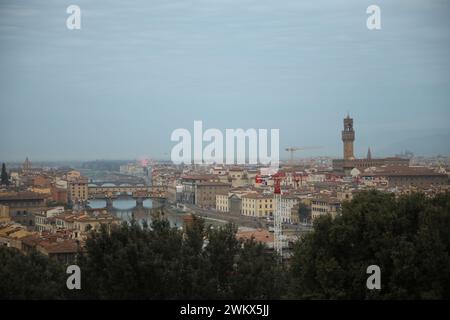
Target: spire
point(27, 164)
point(369, 154)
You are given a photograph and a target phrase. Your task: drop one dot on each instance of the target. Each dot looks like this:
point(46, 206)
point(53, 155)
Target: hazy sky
point(137, 70)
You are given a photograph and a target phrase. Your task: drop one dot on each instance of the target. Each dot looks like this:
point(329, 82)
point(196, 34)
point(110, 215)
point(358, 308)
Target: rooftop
point(13, 196)
point(65, 246)
point(404, 171)
point(260, 235)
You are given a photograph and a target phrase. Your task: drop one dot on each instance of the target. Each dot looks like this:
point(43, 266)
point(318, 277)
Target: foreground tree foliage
point(160, 262)
point(30, 277)
point(408, 238)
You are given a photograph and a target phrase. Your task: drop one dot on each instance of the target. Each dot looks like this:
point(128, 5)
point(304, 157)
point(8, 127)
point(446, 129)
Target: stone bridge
point(102, 192)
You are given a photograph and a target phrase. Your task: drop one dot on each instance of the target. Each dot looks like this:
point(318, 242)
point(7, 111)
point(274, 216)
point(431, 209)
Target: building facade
point(206, 192)
point(325, 206)
point(78, 190)
point(22, 206)
point(287, 203)
point(419, 177)
point(258, 205)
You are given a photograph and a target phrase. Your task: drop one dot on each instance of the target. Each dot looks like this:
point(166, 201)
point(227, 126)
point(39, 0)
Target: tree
point(407, 238)
point(160, 262)
point(4, 175)
point(221, 252)
point(258, 275)
point(32, 276)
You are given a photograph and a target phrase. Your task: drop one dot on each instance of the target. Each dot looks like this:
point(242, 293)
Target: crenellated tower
point(348, 137)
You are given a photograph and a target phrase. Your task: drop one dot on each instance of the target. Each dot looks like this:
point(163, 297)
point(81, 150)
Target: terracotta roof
point(21, 196)
point(198, 177)
point(66, 246)
point(329, 200)
point(257, 196)
point(6, 231)
point(259, 235)
point(19, 234)
point(31, 240)
point(213, 183)
point(391, 171)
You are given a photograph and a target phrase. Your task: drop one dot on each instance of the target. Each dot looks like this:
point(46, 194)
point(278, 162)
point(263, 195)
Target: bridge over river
point(135, 191)
point(126, 208)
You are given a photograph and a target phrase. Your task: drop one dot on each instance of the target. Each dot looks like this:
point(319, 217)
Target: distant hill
point(431, 145)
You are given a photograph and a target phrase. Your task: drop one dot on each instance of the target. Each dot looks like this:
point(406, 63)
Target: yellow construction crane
point(293, 149)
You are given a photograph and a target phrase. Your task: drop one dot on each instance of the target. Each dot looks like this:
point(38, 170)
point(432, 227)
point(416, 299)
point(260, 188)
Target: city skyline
point(118, 87)
point(284, 153)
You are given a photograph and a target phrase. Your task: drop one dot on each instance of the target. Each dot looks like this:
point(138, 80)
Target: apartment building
point(258, 205)
point(78, 189)
point(325, 205)
point(287, 203)
point(222, 202)
point(206, 192)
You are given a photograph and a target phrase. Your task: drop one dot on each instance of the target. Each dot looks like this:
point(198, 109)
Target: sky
point(137, 70)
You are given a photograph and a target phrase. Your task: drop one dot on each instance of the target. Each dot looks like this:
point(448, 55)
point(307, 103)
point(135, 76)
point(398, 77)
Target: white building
point(325, 206)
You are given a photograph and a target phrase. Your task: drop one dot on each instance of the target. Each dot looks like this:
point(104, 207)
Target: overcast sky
point(137, 70)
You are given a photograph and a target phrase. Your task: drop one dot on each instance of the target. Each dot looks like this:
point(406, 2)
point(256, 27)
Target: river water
point(126, 209)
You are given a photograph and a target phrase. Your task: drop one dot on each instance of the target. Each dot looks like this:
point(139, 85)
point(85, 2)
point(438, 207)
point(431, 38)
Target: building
point(174, 193)
point(94, 220)
point(259, 235)
point(238, 177)
point(22, 206)
point(78, 190)
point(400, 176)
point(41, 181)
point(58, 194)
point(323, 206)
point(349, 161)
point(206, 192)
point(85, 221)
point(42, 222)
point(73, 175)
point(132, 169)
point(4, 214)
point(66, 221)
point(11, 235)
point(258, 205)
point(189, 182)
point(348, 137)
point(64, 250)
point(287, 203)
point(231, 202)
point(222, 202)
point(295, 214)
point(45, 221)
point(218, 170)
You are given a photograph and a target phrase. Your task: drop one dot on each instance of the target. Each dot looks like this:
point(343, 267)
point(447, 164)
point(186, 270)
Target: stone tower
point(348, 137)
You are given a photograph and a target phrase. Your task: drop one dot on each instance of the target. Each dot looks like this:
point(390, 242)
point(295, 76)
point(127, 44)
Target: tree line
point(407, 237)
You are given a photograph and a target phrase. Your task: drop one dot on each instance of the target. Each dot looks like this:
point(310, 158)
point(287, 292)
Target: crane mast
point(278, 219)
